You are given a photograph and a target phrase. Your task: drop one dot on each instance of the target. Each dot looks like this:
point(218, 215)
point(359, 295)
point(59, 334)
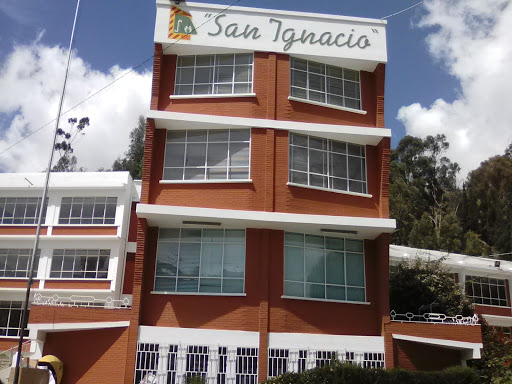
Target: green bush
point(342, 373)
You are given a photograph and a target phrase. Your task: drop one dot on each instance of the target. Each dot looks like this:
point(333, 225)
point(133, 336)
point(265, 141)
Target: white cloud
point(31, 80)
point(472, 39)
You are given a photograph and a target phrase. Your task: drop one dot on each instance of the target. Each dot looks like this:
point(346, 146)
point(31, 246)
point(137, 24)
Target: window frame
point(31, 220)
point(66, 220)
point(329, 153)
point(325, 92)
point(177, 276)
point(205, 166)
point(215, 68)
point(480, 281)
point(345, 285)
point(19, 273)
point(7, 328)
point(72, 253)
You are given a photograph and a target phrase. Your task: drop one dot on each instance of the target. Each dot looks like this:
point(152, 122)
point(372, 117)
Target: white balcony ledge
point(470, 350)
point(349, 133)
point(174, 216)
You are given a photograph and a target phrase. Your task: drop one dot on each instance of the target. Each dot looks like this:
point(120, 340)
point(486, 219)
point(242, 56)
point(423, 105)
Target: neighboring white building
point(83, 244)
point(486, 281)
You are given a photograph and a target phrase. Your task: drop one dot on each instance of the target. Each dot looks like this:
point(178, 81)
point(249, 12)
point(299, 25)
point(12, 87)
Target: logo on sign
point(180, 25)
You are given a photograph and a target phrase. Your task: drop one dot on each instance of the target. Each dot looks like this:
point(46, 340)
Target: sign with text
point(213, 26)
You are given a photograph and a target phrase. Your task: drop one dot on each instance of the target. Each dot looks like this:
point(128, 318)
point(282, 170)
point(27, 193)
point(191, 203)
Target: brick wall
point(492, 310)
point(94, 356)
point(406, 356)
point(422, 357)
point(264, 288)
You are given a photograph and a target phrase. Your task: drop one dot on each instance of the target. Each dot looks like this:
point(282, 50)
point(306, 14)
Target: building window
point(211, 154)
point(246, 365)
point(21, 210)
point(88, 210)
point(197, 361)
point(146, 366)
point(277, 362)
point(80, 263)
point(214, 74)
point(324, 268)
point(488, 291)
point(329, 164)
point(10, 318)
point(15, 262)
point(172, 364)
point(325, 84)
point(200, 260)
point(222, 369)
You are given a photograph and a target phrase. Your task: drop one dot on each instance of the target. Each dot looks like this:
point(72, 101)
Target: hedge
point(342, 373)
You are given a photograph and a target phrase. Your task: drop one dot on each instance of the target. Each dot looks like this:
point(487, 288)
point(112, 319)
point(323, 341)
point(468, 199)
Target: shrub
point(342, 373)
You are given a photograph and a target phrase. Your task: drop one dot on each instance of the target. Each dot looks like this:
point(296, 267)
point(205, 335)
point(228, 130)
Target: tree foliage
point(133, 158)
point(489, 188)
point(67, 162)
point(433, 212)
point(424, 194)
point(418, 287)
point(495, 364)
point(342, 373)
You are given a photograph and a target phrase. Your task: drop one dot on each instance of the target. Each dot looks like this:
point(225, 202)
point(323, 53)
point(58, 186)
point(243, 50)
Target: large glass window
point(15, 262)
point(325, 163)
point(80, 263)
point(322, 267)
point(214, 74)
point(88, 210)
point(207, 154)
point(325, 84)
point(21, 210)
point(200, 260)
point(10, 318)
point(485, 290)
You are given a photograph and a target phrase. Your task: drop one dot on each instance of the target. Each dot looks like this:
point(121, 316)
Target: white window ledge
point(211, 96)
point(326, 300)
point(329, 190)
point(358, 111)
point(230, 181)
point(198, 294)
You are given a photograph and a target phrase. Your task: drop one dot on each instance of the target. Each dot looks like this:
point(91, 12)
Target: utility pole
point(24, 317)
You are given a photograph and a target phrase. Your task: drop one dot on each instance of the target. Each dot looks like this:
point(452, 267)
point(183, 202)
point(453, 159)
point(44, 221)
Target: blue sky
point(420, 69)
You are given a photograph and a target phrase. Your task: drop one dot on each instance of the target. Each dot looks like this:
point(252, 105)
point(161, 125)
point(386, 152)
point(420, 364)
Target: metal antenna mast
point(24, 317)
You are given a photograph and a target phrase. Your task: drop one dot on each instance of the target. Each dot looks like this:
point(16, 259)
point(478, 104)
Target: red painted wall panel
point(95, 356)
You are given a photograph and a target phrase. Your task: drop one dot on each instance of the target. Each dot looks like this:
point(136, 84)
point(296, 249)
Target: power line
point(115, 80)
point(402, 11)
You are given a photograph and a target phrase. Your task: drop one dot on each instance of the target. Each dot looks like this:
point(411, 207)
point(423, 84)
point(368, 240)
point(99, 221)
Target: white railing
point(438, 318)
point(81, 301)
point(6, 357)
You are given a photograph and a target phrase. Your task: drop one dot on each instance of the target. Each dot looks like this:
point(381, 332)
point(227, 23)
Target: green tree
point(423, 234)
point(489, 189)
point(417, 284)
point(450, 233)
point(474, 245)
point(133, 158)
point(422, 181)
point(67, 162)
point(495, 364)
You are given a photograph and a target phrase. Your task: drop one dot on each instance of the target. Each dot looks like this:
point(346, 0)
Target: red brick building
point(262, 231)
point(263, 222)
